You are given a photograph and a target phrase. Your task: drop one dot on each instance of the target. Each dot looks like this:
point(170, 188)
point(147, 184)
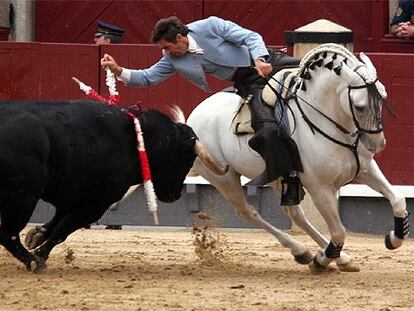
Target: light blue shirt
point(225, 47)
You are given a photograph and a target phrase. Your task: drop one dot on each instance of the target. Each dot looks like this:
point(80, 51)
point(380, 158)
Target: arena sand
point(202, 268)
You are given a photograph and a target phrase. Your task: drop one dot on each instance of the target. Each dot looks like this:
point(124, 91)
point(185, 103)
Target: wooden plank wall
point(69, 21)
point(44, 71)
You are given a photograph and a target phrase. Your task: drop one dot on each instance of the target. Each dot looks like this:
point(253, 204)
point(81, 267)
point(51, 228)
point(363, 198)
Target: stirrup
point(294, 193)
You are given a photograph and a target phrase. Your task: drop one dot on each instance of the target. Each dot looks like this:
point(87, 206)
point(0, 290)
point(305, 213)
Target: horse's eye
point(359, 109)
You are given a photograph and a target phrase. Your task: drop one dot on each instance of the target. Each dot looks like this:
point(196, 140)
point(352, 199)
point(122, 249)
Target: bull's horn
point(207, 159)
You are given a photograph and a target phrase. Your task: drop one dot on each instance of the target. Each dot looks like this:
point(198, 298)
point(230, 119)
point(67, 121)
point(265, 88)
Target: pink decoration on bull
point(114, 99)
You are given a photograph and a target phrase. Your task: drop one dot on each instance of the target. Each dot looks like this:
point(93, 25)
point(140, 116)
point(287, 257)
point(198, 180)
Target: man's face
point(175, 49)
point(102, 40)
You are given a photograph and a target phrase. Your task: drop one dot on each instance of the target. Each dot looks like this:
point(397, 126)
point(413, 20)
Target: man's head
point(108, 33)
point(170, 34)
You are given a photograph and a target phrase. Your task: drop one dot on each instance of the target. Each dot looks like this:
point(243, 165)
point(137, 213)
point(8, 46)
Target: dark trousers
point(279, 153)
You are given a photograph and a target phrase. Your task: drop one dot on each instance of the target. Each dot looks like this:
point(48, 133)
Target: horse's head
point(365, 102)
point(361, 95)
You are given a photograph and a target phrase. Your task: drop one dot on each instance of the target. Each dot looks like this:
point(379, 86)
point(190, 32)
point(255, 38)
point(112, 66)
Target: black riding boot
point(280, 154)
point(294, 191)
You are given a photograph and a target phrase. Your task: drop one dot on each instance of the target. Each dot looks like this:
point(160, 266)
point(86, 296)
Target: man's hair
point(114, 39)
point(167, 29)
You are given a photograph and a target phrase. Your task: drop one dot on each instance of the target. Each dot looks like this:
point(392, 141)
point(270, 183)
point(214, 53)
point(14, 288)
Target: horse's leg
point(326, 201)
point(229, 186)
point(296, 214)
point(374, 178)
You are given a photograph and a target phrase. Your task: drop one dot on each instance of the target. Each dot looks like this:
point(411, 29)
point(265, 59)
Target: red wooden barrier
point(396, 72)
point(72, 21)
point(19, 69)
point(44, 71)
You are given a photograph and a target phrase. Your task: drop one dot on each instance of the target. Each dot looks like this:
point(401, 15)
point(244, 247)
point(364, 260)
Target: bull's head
point(172, 148)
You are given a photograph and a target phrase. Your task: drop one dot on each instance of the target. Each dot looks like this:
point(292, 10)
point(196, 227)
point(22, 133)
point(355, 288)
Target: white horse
point(335, 108)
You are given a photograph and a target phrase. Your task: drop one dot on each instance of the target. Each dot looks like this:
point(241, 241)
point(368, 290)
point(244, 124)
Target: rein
point(357, 134)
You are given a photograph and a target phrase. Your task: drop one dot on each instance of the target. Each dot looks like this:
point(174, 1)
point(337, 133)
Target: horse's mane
point(322, 50)
point(339, 56)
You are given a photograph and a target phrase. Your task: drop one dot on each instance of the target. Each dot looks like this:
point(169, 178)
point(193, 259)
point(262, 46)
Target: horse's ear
point(365, 59)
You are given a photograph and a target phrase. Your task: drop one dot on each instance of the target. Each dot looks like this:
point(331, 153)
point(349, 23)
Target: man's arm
point(140, 77)
point(238, 35)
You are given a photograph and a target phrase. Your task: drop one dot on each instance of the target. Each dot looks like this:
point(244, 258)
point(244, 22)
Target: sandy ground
point(247, 270)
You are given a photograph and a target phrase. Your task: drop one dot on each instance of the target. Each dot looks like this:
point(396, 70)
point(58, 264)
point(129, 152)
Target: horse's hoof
point(389, 242)
point(304, 259)
point(315, 266)
point(35, 237)
point(348, 267)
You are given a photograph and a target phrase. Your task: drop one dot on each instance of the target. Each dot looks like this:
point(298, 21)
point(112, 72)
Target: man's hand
point(108, 61)
point(405, 30)
point(263, 68)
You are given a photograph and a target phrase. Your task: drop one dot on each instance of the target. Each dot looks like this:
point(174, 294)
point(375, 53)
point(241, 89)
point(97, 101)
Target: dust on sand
point(210, 245)
point(164, 269)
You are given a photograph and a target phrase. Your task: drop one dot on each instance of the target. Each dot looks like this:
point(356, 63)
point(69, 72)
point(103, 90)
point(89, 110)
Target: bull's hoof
point(348, 267)
point(37, 266)
point(304, 259)
point(35, 237)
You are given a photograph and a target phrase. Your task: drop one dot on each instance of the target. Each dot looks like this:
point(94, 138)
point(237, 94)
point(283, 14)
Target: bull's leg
point(374, 178)
point(71, 222)
point(39, 234)
point(15, 213)
point(229, 185)
point(296, 214)
point(326, 201)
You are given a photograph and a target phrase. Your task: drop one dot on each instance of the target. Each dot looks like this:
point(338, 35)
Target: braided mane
point(320, 50)
point(319, 56)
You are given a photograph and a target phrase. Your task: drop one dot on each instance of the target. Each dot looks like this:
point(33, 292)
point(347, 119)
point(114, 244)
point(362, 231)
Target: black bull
point(80, 156)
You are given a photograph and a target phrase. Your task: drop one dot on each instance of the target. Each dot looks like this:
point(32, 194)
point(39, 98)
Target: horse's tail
point(178, 114)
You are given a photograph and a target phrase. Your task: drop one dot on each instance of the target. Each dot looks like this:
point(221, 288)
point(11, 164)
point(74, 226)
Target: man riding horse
point(228, 52)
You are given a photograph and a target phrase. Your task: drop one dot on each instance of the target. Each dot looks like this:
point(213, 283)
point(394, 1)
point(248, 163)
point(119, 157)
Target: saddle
point(284, 79)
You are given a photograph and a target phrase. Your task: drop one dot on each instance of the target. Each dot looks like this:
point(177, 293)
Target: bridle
point(351, 104)
point(353, 147)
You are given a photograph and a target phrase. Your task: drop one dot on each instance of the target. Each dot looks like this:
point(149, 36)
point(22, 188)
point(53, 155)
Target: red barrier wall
point(396, 72)
point(44, 71)
point(73, 21)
